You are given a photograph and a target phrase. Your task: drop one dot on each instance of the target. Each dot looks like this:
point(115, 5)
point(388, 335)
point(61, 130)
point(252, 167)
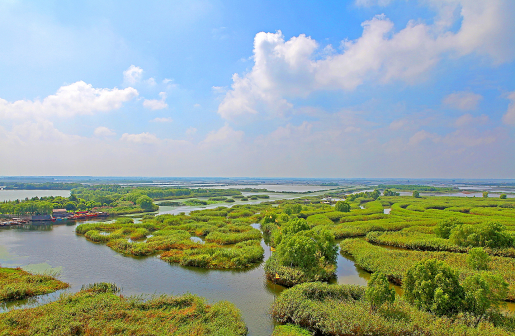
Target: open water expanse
point(12, 195)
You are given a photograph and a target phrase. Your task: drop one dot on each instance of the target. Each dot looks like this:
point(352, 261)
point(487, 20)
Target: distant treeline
point(40, 186)
point(414, 187)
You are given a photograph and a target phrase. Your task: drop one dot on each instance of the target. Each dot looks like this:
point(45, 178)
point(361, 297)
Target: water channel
point(51, 247)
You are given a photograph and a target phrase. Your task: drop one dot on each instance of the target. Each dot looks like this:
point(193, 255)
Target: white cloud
point(156, 104)
point(293, 69)
point(368, 3)
point(191, 131)
point(465, 101)
point(75, 99)
point(421, 136)
point(132, 75)
point(224, 135)
point(509, 117)
point(142, 138)
point(197, 106)
point(161, 120)
point(469, 120)
point(103, 131)
point(151, 81)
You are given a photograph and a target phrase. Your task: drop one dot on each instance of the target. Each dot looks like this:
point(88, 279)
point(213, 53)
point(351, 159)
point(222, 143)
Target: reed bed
point(98, 310)
point(342, 310)
point(17, 284)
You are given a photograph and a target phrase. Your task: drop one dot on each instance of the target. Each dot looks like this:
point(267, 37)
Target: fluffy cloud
point(469, 120)
point(509, 117)
point(132, 75)
point(142, 138)
point(191, 131)
point(225, 135)
point(103, 131)
point(156, 104)
point(465, 101)
point(291, 69)
point(161, 120)
point(75, 99)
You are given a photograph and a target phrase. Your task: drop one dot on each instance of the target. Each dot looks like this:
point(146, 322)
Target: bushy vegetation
point(344, 310)
point(395, 263)
point(170, 237)
point(301, 254)
point(98, 310)
point(17, 284)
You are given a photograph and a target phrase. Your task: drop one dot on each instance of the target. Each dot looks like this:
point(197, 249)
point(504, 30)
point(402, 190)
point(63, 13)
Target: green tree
point(443, 228)
point(491, 234)
point(485, 194)
point(70, 206)
point(145, 202)
point(378, 291)
point(342, 206)
point(297, 251)
point(416, 194)
point(483, 292)
point(502, 196)
point(326, 244)
point(478, 259)
point(433, 286)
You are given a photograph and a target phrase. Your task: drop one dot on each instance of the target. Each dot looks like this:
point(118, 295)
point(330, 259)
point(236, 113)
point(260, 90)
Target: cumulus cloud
point(103, 131)
point(509, 117)
point(368, 3)
point(132, 75)
point(162, 120)
point(421, 136)
point(191, 131)
point(465, 101)
point(142, 138)
point(75, 99)
point(292, 69)
point(156, 104)
point(469, 120)
point(224, 135)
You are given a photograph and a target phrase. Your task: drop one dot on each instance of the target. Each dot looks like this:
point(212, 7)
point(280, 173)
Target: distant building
point(60, 213)
point(40, 218)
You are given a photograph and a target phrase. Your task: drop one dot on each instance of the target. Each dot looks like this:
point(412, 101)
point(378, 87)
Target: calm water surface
point(40, 248)
point(12, 195)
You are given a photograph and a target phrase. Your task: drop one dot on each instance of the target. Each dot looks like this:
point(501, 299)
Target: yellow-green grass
point(343, 311)
point(92, 312)
point(395, 263)
point(17, 284)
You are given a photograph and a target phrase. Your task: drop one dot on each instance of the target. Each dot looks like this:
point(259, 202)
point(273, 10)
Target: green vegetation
point(414, 187)
point(378, 291)
point(342, 206)
point(301, 255)
point(344, 310)
point(98, 310)
point(17, 284)
point(227, 239)
point(395, 263)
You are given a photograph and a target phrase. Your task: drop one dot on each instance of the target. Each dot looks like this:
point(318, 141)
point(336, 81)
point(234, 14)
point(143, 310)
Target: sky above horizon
point(361, 88)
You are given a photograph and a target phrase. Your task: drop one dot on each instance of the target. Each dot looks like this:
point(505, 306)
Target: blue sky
point(362, 88)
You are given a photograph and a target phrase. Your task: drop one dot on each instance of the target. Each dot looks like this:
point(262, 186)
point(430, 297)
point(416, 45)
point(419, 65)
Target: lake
point(12, 195)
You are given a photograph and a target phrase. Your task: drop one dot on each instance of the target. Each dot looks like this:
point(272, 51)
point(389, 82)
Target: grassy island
point(98, 310)
point(17, 284)
point(215, 238)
